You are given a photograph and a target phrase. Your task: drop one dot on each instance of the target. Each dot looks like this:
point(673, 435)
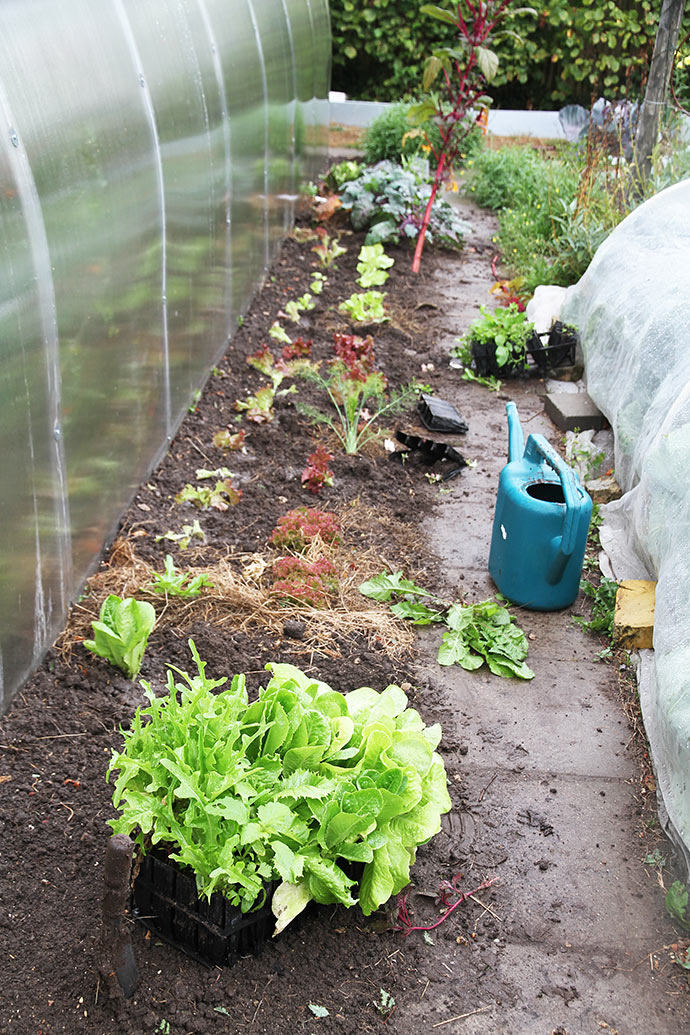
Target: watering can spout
point(516, 439)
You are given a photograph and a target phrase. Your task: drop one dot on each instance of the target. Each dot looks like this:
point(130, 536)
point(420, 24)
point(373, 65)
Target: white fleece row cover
point(632, 308)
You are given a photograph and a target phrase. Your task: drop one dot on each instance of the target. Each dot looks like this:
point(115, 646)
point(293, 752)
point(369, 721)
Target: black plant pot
point(213, 932)
point(559, 350)
point(485, 365)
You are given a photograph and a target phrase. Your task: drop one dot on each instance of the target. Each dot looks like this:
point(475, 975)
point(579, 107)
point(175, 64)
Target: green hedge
point(570, 52)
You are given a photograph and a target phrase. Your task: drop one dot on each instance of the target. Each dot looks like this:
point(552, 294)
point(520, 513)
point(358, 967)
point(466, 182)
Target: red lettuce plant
point(297, 349)
point(317, 472)
point(297, 529)
point(311, 583)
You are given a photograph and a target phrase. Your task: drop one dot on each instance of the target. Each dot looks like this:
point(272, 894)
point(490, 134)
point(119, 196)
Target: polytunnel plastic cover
point(149, 159)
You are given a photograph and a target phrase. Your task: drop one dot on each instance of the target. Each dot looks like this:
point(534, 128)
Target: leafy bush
point(285, 788)
point(570, 53)
point(390, 199)
point(388, 136)
point(553, 210)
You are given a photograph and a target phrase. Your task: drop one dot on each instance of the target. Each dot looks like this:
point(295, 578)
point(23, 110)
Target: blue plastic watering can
point(540, 524)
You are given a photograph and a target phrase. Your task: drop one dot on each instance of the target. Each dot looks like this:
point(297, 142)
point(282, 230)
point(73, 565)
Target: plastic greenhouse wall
point(150, 154)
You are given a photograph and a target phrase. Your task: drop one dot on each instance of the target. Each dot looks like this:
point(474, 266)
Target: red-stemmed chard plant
point(465, 68)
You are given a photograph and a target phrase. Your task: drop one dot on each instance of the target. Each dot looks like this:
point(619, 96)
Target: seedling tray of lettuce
point(476, 633)
point(291, 788)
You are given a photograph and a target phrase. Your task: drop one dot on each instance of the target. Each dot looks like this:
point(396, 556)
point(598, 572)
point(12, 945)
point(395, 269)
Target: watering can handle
point(516, 439)
point(538, 446)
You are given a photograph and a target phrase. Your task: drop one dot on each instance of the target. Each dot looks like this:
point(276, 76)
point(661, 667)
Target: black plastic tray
point(559, 349)
point(214, 932)
point(439, 415)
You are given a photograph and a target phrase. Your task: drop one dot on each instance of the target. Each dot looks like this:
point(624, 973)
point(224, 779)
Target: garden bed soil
point(58, 737)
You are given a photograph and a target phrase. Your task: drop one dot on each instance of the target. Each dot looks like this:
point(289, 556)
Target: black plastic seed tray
point(439, 415)
point(431, 452)
point(213, 932)
point(557, 351)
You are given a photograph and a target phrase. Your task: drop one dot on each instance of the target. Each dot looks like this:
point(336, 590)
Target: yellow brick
point(633, 621)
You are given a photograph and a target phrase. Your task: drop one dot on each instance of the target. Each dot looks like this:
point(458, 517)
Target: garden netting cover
point(632, 308)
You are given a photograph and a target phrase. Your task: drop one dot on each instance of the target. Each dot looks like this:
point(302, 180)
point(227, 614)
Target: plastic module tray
point(439, 415)
point(165, 900)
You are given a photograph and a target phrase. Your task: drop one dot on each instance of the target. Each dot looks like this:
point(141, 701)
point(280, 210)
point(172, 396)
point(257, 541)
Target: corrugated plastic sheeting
point(149, 158)
point(632, 310)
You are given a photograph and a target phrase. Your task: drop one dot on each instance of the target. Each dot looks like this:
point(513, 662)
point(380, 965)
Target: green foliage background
point(569, 52)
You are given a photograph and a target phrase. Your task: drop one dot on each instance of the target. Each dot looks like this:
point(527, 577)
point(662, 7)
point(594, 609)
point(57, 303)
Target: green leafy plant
point(258, 407)
point(342, 173)
point(231, 440)
point(298, 529)
point(176, 583)
point(352, 385)
point(373, 265)
point(385, 1003)
point(485, 632)
point(278, 333)
point(317, 282)
point(506, 330)
point(487, 380)
point(121, 633)
point(183, 538)
point(328, 248)
point(220, 496)
point(677, 903)
point(388, 137)
point(295, 307)
point(603, 598)
point(389, 200)
point(365, 307)
point(285, 788)
point(264, 361)
point(476, 633)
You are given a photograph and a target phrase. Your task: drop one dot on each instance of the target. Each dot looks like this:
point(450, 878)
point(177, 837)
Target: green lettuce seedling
point(365, 307)
point(121, 632)
point(176, 583)
point(372, 266)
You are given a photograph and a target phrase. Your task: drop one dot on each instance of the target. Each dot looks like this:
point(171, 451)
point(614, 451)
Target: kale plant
point(389, 201)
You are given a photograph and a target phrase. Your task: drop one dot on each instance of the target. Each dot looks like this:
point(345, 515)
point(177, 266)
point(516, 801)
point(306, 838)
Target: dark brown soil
point(57, 738)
